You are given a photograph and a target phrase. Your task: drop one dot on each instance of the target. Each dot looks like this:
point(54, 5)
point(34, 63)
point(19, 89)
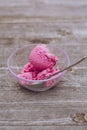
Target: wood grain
point(63, 23)
point(43, 127)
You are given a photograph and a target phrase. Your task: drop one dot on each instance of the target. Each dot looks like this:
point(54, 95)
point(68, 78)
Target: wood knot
point(64, 32)
point(79, 117)
point(40, 40)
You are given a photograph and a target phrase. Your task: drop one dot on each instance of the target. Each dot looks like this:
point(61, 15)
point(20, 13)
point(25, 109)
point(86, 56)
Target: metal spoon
point(69, 67)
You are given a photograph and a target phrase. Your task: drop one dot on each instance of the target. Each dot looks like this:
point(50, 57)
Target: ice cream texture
point(41, 64)
point(41, 58)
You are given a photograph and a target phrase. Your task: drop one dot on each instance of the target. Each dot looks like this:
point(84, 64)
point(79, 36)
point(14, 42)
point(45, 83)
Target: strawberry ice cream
point(41, 64)
point(46, 73)
point(27, 75)
point(42, 58)
point(28, 68)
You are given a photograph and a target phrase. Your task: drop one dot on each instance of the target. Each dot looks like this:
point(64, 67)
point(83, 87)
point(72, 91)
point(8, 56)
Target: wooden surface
point(61, 22)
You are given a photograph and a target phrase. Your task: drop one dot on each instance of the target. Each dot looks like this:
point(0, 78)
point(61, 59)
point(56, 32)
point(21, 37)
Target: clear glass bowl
point(20, 57)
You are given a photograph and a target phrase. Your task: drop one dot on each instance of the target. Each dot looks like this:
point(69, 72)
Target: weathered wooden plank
point(75, 106)
point(48, 115)
point(39, 8)
point(28, 19)
point(58, 93)
point(43, 127)
point(38, 29)
point(41, 118)
point(45, 10)
point(26, 2)
point(61, 32)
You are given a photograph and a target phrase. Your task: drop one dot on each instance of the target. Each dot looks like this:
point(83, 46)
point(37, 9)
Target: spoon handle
point(70, 66)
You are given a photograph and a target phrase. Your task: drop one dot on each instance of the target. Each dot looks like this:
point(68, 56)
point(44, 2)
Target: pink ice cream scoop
point(27, 75)
point(28, 68)
point(46, 73)
point(41, 58)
